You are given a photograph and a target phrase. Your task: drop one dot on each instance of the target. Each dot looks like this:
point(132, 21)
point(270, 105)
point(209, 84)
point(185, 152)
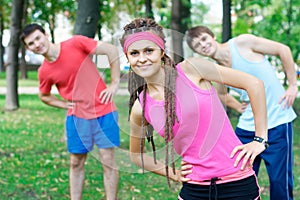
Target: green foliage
point(5, 10)
point(186, 14)
point(45, 11)
point(273, 19)
point(198, 11)
point(240, 27)
point(106, 74)
point(283, 25)
point(163, 11)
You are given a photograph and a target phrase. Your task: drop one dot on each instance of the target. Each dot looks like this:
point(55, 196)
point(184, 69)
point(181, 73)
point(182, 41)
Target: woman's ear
point(162, 54)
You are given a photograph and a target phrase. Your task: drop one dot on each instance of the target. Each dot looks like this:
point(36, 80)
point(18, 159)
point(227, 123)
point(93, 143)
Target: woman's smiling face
point(144, 57)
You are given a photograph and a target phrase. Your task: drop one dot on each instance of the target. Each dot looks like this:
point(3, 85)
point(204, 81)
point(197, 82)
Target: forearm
point(157, 168)
point(136, 155)
point(53, 101)
point(289, 65)
point(114, 66)
point(115, 72)
point(257, 97)
point(233, 103)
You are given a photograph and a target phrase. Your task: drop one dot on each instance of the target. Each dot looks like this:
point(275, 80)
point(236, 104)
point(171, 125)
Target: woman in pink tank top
point(181, 104)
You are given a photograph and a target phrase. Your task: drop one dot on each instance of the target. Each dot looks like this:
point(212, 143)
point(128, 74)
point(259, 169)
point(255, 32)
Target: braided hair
point(137, 84)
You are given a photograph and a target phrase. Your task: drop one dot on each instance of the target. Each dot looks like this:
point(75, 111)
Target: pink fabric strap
point(143, 36)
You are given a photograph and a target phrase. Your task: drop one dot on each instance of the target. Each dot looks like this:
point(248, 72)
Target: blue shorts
point(82, 134)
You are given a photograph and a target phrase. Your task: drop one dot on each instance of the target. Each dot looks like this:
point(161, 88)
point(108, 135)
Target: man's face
point(204, 44)
point(37, 42)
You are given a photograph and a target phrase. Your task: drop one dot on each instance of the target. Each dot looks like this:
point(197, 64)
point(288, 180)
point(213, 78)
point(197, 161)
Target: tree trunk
point(226, 31)
point(1, 39)
point(99, 23)
point(176, 35)
point(226, 21)
point(12, 100)
point(87, 18)
point(23, 68)
point(51, 22)
point(149, 11)
point(180, 19)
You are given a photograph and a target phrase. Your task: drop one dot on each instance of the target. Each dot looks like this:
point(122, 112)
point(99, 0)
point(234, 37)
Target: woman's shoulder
point(187, 64)
point(195, 64)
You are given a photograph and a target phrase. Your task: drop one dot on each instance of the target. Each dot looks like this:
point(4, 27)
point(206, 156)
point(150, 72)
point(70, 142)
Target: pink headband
point(143, 36)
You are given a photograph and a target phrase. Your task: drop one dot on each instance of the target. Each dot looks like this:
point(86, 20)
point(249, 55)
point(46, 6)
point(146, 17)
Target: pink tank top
point(203, 135)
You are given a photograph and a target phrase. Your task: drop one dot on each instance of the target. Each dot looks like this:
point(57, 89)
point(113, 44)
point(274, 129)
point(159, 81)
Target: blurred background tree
point(11, 98)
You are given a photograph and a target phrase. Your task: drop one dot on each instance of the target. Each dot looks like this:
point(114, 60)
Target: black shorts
point(245, 189)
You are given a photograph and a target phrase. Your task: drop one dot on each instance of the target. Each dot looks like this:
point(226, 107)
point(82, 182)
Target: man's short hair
point(196, 32)
point(30, 28)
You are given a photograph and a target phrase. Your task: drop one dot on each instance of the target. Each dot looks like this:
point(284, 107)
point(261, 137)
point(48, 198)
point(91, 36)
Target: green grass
point(35, 165)
point(30, 81)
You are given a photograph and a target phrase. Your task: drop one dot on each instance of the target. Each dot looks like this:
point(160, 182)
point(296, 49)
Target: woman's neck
point(156, 85)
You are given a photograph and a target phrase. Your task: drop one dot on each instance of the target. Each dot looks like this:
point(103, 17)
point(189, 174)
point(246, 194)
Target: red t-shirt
point(76, 78)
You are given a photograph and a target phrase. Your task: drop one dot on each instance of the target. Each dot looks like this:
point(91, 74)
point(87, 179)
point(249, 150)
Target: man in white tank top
point(248, 53)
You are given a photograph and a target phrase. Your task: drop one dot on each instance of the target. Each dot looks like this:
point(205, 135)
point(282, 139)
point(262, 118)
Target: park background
point(34, 163)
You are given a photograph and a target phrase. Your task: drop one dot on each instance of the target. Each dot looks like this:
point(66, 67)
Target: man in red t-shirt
point(92, 117)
